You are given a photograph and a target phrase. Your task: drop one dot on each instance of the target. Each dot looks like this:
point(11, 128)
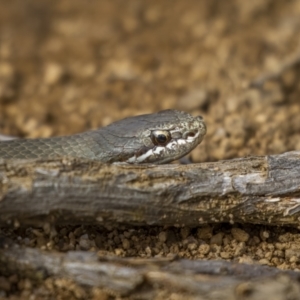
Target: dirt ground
point(69, 66)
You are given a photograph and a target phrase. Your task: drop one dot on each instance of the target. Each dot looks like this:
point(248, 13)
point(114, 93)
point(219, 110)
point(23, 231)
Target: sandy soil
point(69, 66)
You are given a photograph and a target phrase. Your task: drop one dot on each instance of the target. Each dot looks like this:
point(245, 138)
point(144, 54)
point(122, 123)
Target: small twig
point(274, 76)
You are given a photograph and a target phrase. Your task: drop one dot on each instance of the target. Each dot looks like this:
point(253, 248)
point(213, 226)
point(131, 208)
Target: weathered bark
point(261, 190)
point(145, 278)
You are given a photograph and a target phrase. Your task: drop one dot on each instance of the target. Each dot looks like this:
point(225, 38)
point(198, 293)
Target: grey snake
point(152, 138)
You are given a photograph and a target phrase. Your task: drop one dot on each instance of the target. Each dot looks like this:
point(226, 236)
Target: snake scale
point(152, 138)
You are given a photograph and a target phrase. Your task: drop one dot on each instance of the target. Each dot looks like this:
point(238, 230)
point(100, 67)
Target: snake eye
point(160, 137)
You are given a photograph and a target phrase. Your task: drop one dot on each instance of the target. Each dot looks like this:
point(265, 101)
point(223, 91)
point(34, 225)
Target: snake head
point(161, 137)
point(154, 138)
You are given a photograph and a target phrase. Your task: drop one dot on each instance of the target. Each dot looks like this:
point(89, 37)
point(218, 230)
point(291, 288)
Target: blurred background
point(69, 66)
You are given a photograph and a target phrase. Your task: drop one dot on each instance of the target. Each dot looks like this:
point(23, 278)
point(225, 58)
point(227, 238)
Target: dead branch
point(144, 278)
point(260, 190)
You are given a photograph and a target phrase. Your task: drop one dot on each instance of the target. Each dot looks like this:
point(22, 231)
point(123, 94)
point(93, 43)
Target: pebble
point(217, 239)
point(264, 261)
point(193, 99)
point(264, 234)
point(280, 246)
point(84, 242)
point(225, 255)
point(294, 259)
point(126, 244)
point(184, 232)
point(240, 249)
point(204, 249)
point(204, 232)
point(240, 235)
point(119, 252)
point(290, 253)
point(53, 73)
point(192, 246)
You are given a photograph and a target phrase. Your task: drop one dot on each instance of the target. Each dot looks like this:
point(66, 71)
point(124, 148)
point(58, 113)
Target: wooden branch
point(144, 278)
point(261, 190)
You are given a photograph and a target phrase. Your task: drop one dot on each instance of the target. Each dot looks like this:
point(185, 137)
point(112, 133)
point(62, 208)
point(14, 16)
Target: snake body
point(153, 138)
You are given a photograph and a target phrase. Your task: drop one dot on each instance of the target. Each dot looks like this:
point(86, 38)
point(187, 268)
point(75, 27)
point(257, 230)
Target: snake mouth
point(178, 146)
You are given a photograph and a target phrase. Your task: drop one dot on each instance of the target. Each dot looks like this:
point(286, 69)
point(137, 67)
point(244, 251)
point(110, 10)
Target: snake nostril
point(189, 134)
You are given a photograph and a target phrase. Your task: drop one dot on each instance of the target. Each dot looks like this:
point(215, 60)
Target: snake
point(150, 138)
